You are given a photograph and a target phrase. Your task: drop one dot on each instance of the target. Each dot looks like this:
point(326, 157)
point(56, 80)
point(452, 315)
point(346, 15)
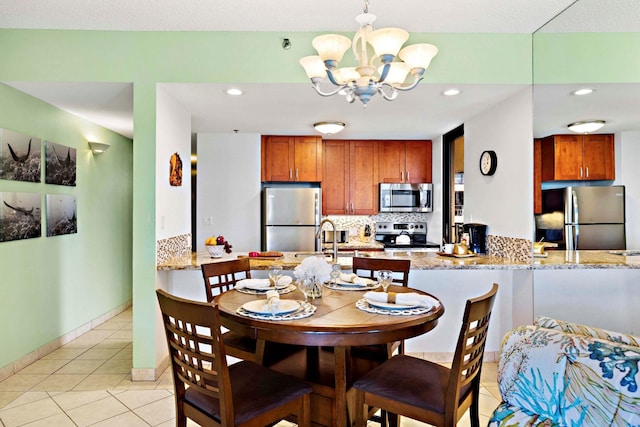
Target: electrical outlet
point(207, 219)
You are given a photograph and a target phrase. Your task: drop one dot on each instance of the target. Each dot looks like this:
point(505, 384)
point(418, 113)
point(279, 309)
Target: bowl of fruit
point(217, 246)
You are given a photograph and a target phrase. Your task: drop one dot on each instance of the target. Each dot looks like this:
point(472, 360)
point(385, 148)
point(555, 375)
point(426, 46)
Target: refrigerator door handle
point(572, 235)
point(575, 208)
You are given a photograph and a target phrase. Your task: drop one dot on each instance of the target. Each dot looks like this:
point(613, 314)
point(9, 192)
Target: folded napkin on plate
point(273, 297)
point(353, 278)
point(408, 298)
point(262, 284)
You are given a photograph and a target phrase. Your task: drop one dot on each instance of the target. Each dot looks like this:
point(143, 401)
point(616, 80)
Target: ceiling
point(111, 104)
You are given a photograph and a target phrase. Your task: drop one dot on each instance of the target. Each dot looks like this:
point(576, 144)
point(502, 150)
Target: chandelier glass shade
point(383, 65)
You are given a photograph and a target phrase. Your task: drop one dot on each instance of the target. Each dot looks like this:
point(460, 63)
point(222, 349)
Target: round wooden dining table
point(336, 324)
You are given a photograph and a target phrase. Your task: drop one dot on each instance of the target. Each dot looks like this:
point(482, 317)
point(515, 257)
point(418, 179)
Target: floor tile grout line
point(62, 409)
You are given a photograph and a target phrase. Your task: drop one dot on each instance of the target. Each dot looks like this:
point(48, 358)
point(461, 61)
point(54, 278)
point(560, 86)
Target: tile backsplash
point(172, 247)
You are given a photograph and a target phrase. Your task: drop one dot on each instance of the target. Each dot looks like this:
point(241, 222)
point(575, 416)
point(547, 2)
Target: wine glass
point(384, 278)
point(275, 272)
point(335, 272)
point(305, 285)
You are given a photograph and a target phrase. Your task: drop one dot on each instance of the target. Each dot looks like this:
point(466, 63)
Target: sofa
point(556, 373)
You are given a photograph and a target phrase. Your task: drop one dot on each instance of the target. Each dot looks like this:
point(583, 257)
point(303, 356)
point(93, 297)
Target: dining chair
point(222, 276)
point(427, 391)
point(212, 393)
point(368, 267)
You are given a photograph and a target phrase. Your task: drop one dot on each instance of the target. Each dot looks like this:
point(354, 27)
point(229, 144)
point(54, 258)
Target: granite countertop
point(419, 261)
point(554, 260)
point(562, 260)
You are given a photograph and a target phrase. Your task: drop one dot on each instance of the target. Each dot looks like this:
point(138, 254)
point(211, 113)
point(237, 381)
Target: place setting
point(274, 308)
point(276, 281)
point(349, 281)
point(393, 303)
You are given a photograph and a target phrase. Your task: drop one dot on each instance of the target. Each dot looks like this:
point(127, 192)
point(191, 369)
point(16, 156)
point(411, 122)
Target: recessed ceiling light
point(234, 91)
point(451, 92)
point(584, 91)
point(586, 126)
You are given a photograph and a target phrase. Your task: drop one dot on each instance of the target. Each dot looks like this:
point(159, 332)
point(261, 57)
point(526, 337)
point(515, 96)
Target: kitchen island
point(591, 287)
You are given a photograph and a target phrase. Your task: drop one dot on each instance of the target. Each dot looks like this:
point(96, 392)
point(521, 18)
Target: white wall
point(228, 195)
point(503, 201)
point(628, 173)
point(173, 135)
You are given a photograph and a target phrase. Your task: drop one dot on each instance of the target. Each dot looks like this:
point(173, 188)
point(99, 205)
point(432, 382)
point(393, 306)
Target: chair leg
point(304, 419)
point(474, 412)
point(394, 419)
point(361, 409)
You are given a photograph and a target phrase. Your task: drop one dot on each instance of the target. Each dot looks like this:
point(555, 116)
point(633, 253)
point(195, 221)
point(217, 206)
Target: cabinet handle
point(296, 174)
point(290, 175)
point(346, 207)
point(352, 210)
point(401, 176)
point(587, 171)
point(580, 171)
point(408, 177)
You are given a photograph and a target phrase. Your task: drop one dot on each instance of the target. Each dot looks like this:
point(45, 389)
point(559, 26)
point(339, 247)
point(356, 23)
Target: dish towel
point(262, 284)
point(408, 298)
point(353, 278)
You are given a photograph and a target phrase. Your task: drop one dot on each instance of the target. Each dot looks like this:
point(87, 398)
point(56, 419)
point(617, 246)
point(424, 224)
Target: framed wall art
point(62, 215)
point(20, 216)
point(60, 164)
point(19, 156)
point(175, 170)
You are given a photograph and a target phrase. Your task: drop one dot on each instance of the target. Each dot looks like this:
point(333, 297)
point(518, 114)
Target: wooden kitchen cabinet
point(291, 158)
point(349, 185)
point(405, 161)
point(578, 157)
point(537, 176)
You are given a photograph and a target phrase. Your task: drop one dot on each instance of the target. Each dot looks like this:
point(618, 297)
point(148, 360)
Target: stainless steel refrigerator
point(589, 217)
point(291, 217)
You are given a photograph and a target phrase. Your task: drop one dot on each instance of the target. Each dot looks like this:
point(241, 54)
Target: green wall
point(146, 58)
point(52, 285)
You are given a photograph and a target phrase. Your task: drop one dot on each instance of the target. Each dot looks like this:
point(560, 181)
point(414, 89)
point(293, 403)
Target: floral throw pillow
point(575, 328)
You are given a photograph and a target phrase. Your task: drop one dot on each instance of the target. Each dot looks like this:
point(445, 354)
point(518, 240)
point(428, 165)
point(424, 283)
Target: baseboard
point(26, 360)
point(150, 374)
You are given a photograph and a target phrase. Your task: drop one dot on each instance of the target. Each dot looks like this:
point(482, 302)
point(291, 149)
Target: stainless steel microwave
point(406, 197)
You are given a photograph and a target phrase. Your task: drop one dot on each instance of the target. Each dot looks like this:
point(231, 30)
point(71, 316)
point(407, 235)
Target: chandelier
point(375, 51)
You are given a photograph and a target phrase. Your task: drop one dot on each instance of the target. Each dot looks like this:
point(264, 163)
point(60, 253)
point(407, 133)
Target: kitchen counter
point(561, 260)
point(419, 261)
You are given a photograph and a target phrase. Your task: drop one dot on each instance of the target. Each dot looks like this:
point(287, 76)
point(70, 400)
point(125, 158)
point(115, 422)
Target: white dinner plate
point(389, 305)
point(260, 306)
point(364, 284)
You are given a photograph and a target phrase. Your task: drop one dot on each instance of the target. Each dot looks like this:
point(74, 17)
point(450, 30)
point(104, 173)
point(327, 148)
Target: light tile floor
point(87, 382)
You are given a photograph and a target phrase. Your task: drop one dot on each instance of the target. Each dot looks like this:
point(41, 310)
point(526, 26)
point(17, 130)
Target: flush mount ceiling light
point(371, 48)
point(586, 126)
point(329, 128)
point(98, 147)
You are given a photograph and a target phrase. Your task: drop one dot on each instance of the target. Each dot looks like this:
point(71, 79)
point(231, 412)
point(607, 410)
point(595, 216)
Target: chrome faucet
point(335, 237)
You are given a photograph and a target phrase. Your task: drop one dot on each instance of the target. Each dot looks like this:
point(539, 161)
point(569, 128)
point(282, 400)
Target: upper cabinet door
point(308, 159)
point(599, 162)
point(418, 161)
point(335, 181)
point(279, 158)
point(363, 182)
point(391, 161)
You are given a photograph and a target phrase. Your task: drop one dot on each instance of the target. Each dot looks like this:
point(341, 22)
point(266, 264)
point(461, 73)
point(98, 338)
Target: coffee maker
point(477, 237)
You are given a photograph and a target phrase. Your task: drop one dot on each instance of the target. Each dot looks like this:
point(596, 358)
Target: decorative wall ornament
point(175, 170)
point(61, 214)
point(20, 216)
point(19, 156)
point(60, 164)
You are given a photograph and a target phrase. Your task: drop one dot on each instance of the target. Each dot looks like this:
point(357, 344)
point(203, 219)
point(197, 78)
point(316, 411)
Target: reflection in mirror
point(590, 45)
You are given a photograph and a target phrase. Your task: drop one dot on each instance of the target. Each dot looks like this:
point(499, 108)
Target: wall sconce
point(98, 147)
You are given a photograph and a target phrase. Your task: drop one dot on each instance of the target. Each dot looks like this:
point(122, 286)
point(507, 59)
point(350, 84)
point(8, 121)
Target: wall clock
point(488, 162)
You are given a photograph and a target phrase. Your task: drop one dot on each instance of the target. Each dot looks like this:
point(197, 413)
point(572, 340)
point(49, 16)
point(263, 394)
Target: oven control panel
point(401, 228)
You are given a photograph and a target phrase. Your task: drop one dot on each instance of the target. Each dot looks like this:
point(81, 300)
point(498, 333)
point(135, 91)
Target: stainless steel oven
point(406, 197)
